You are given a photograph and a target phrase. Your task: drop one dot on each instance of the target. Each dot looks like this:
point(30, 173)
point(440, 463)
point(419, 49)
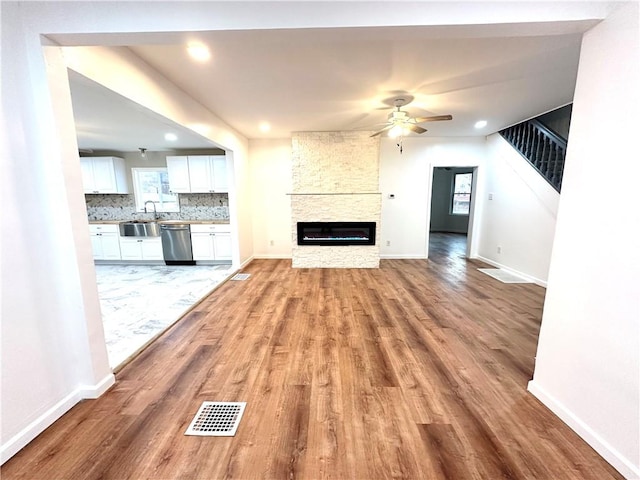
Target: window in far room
point(461, 197)
point(152, 184)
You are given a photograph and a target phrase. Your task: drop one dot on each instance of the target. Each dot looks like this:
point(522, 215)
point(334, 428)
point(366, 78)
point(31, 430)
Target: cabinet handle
point(139, 241)
point(96, 191)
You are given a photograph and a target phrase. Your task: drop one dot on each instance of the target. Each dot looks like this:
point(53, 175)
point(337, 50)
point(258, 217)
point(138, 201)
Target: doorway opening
point(451, 210)
point(141, 292)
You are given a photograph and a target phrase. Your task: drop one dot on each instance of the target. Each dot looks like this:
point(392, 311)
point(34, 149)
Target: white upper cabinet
point(178, 172)
point(198, 174)
point(104, 175)
point(219, 168)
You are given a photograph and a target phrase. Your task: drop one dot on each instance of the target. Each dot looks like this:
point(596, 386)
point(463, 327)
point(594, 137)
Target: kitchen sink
point(139, 228)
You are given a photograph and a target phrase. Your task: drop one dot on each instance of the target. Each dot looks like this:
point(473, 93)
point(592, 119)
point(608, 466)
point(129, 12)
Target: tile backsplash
point(193, 206)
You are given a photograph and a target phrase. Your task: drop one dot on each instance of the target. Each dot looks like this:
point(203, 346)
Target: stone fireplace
point(335, 181)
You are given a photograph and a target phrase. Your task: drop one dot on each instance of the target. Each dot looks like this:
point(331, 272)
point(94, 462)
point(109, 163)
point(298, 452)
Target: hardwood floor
point(415, 370)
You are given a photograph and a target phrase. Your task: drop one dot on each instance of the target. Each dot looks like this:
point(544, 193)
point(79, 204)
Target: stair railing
point(541, 147)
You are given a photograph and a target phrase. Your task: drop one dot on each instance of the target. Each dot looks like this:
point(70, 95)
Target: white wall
point(53, 347)
point(408, 176)
point(521, 217)
point(270, 164)
point(588, 360)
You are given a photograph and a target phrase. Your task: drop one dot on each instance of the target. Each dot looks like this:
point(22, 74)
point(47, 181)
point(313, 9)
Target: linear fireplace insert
point(336, 233)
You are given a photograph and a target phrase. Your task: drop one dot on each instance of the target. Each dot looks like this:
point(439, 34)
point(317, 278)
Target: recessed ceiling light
point(481, 124)
point(170, 137)
point(265, 127)
point(199, 51)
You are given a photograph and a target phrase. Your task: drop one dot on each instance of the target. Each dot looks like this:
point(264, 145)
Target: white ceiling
point(342, 79)
point(107, 121)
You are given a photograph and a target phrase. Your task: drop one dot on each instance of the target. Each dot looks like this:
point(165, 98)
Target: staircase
point(541, 147)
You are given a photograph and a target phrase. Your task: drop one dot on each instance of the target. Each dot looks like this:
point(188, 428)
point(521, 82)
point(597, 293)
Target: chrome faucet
point(155, 212)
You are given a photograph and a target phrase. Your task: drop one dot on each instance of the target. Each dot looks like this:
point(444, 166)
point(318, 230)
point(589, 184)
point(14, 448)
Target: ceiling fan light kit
point(399, 122)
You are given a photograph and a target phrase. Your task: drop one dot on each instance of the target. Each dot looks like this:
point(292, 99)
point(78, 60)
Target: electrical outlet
point(184, 201)
point(491, 196)
point(499, 249)
point(388, 243)
point(271, 242)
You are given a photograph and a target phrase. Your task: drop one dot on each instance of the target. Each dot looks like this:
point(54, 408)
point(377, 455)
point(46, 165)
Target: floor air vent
point(241, 276)
point(217, 419)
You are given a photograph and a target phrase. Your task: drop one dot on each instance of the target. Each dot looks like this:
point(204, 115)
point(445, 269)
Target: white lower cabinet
point(222, 246)
point(105, 241)
point(141, 248)
point(210, 241)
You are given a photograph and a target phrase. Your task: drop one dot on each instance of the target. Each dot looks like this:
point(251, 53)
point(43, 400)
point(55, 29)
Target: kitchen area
point(157, 198)
point(161, 238)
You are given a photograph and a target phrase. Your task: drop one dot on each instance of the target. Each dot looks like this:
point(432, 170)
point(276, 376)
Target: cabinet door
point(152, 249)
point(131, 248)
point(178, 172)
point(202, 246)
point(222, 246)
point(200, 174)
point(219, 169)
point(96, 246)
point(86, 164)
point(104, 175)
point(110, 246)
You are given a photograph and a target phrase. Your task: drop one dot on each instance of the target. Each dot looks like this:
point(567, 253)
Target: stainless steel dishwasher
point(176, 244)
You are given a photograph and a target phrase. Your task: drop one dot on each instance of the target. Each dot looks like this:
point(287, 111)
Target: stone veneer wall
point(193, 206)
point(335, 178)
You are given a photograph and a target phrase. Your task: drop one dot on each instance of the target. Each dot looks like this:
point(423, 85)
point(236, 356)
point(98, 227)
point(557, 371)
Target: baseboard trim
point(94, 391)
point(271, 256)
point(493, 263)
point(40, 424)
point(610, 454)
point(245, 263)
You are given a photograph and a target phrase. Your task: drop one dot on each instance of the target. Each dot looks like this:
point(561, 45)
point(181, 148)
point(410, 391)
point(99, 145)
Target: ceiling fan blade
point(415, 128)
point(436, 118)
point(385, 129)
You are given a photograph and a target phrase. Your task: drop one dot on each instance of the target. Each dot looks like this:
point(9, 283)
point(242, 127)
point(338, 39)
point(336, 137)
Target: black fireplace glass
point(336, 233)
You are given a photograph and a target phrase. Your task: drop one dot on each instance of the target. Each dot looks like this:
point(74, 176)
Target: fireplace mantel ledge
point(337, 193)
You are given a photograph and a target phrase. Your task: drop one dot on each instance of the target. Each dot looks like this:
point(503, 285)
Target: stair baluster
point(541, 147)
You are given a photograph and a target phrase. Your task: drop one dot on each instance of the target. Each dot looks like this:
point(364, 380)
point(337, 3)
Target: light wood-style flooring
point(415, 370)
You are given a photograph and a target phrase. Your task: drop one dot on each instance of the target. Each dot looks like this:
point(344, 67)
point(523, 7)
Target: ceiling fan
point(399, 120)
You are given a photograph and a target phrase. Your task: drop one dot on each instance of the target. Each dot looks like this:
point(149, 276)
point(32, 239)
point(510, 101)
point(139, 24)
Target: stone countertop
point(117, 222)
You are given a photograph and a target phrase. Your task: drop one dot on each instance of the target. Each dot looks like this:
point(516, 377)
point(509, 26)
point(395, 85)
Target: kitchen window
point(152, 184)
point(461, 197)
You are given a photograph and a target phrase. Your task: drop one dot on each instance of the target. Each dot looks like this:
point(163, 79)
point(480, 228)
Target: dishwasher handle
point(174, 227)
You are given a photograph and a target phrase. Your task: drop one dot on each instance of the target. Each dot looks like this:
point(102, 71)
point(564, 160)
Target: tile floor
point(139, 301)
